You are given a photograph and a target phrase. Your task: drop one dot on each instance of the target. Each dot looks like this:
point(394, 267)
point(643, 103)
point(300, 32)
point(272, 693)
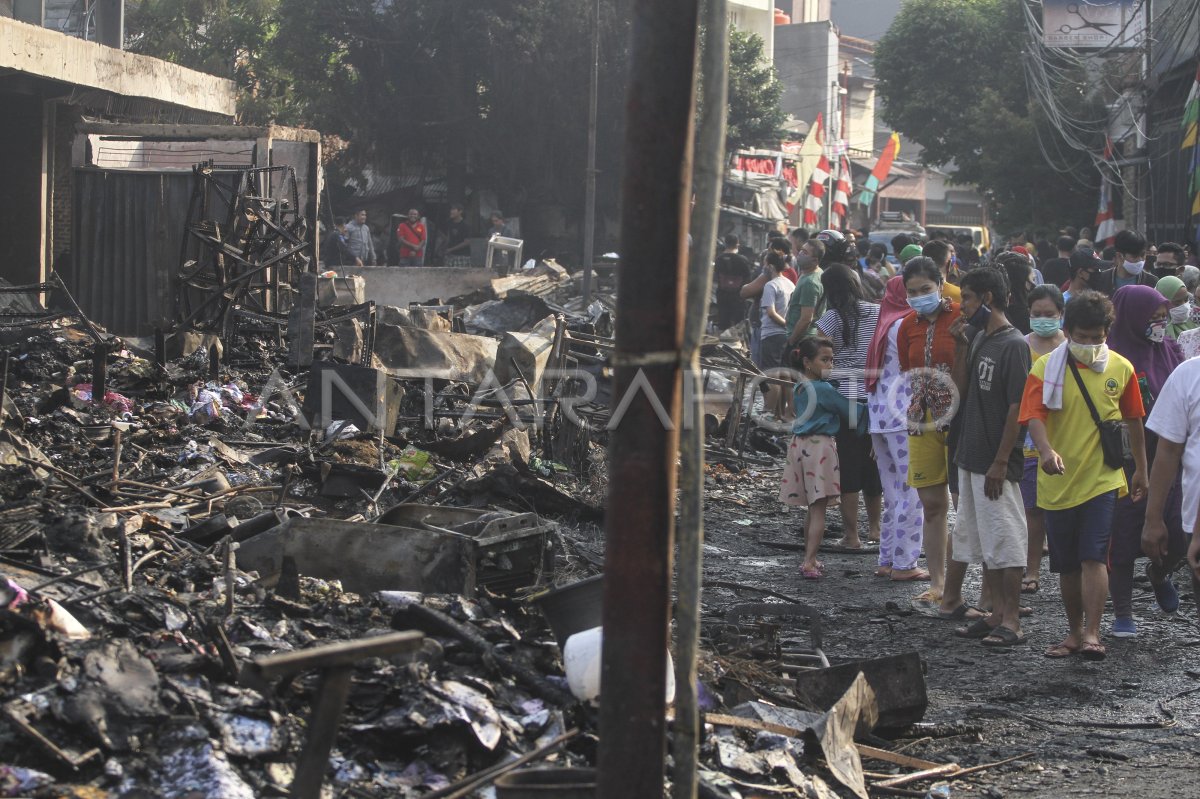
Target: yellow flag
point(1189, 138)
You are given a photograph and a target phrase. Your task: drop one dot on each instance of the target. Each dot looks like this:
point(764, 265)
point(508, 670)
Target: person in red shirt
point(412, 236)
point(926, 350)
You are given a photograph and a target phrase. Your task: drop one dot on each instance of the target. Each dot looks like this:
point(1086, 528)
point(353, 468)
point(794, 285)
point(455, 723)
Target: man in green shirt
point(808, 300)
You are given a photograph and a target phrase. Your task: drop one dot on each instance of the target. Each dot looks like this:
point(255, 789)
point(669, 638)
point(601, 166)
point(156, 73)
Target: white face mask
point(1181, 313)
point(1134, 267)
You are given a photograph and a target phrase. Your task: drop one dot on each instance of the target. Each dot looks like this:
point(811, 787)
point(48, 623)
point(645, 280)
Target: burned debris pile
point(230, 574)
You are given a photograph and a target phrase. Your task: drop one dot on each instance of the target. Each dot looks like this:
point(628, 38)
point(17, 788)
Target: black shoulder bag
point(1110, 432)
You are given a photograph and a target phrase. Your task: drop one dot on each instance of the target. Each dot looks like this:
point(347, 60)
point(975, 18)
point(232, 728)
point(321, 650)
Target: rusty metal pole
point(710, 173)
point(647, 361)
point(589, 212)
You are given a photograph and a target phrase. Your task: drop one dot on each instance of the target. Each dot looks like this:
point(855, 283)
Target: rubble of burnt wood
point(216, 581)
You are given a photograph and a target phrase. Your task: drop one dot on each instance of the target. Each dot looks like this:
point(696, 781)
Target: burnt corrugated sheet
point(125, 257)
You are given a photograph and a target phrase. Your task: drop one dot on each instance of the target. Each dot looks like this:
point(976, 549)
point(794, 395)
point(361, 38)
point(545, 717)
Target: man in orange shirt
point(1065, 393)
point(412, 236)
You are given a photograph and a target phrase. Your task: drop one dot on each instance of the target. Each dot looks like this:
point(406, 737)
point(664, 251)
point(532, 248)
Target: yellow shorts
point(927, 460)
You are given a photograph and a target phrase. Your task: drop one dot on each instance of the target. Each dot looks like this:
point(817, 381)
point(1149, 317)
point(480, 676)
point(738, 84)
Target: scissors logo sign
point(1098, 23)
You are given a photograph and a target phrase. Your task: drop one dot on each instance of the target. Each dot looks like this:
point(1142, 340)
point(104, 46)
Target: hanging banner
point(1093, 24)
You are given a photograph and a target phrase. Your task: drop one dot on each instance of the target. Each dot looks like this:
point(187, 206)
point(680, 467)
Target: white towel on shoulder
point(1056, 374)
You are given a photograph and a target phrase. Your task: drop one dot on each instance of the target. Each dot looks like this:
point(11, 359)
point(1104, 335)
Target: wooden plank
point(342, 653)
point(948, 770)
point(895, 758)
point(322, 733)
point(722, 720)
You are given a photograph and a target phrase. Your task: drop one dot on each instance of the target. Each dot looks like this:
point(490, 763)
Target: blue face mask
point(926, 303)
point(1044, 326)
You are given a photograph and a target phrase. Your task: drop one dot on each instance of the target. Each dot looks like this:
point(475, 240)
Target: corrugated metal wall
point(128, 227)
point(1168, 203)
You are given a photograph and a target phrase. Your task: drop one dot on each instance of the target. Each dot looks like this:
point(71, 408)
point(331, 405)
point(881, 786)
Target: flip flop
point(1030, 585)
point(812, 574)
point(1002, 636)
point(1061, 650)
point(961, 613)
point(1093, 652)
point(976, 630)
point(918, 576)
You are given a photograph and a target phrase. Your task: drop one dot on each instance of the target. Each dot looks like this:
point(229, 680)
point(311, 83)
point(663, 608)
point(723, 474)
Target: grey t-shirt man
point(359, 241)
point(997, 366)
point(776, 293)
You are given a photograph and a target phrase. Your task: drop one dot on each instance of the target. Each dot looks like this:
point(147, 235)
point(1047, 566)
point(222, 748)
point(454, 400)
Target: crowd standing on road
point(1053, 405)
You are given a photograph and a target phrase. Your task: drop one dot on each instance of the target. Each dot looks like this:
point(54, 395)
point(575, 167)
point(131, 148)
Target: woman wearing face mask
point(1179, 313)
point(1045, 321)
point(887, 406)
point(926, 349)
point(1139, 332)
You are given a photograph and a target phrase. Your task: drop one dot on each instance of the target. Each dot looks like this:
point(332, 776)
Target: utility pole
point(643, 445)
point(710, 171)
point(589, 205)
point(830, 140)
point(1142, 171)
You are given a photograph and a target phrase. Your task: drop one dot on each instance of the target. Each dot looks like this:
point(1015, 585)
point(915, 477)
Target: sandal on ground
point(914, 576)
point(1061, 650)
point(976, 629)
point(1030, 585)
point(812, 573)
point(1002, 636)
point(1093, 652)
point(963, 612)
point(883, 571)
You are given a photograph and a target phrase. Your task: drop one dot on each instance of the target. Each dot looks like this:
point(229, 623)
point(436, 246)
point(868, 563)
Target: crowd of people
point(1051, 396)
point(409, 240)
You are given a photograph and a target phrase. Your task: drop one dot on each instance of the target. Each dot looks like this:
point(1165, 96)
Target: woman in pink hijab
point(889, 394)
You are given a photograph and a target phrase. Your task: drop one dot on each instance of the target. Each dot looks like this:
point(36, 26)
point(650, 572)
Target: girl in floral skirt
point(811, 477)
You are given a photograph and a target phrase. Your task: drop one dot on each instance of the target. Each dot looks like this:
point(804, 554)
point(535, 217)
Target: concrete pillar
point(31, 11)
point(110, 23)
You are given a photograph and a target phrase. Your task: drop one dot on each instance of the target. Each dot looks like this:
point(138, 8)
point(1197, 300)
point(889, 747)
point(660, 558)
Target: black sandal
point(977, 629)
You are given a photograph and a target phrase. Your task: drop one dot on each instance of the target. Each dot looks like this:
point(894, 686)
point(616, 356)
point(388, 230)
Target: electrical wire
point(1047, 69)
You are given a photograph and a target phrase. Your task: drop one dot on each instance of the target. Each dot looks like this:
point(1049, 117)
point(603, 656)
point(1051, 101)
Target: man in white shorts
point(992, 360)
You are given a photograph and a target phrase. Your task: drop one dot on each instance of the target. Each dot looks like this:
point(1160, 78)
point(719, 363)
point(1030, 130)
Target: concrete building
point(806, 58)
point(98, 150)
point(757, 17)
point(48, 82)
point(806, 10)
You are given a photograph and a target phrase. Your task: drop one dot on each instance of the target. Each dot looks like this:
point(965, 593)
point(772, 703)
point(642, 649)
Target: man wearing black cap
point(1084, 270)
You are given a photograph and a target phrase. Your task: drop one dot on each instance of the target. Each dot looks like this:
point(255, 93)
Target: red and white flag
point(841, 194)
point(1106, 225)
point(816, 191)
